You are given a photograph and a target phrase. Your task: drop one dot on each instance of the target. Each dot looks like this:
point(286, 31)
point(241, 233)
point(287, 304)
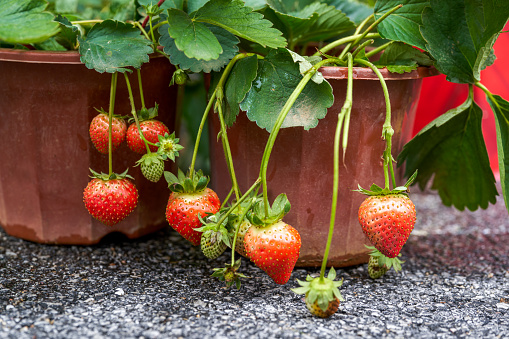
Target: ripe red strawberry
point(275, 249)
point(387, 220)
point(183, 209)
point(99, 132)
point(110, 200)
point(151, 130)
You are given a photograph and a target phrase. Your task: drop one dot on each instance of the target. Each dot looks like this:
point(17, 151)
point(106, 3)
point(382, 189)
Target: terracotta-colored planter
point(301, 163)
point(47, 100)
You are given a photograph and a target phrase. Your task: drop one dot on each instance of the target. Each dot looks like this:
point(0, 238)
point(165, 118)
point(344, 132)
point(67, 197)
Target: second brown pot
point(301, 163)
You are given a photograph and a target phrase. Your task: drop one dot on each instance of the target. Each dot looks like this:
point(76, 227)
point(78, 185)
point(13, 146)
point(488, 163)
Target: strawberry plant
point(276, 80)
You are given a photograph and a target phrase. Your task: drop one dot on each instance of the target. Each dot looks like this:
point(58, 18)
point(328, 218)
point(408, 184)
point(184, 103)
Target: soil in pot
point(47, 101)
point(301, 163)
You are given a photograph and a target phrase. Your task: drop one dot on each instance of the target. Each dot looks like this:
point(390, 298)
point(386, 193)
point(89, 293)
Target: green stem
point(140, 86)
point(152, 30)
point(357, 31)
point(200, 131)
point(237, 229)
point(84, 22)
point(133, 111)
point(387, 130)
point(345, 111)
point(140, 27)
point(227, 151)
point(279, 122)
point(179, 107)
point(225, 201)
point(342, 41)
point(113, 91)
point(159, 24)
point(361, 46)
point(240, 201)
point(378, 49)
point(374, 24)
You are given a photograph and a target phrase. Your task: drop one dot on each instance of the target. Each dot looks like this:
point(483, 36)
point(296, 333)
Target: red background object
point(439, 95)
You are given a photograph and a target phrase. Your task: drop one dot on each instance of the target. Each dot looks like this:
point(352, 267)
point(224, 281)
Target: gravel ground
point(455, 283)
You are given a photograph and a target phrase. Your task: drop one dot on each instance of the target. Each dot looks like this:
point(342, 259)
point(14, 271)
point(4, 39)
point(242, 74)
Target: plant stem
point(200, 131)
point(140, 86)
point(378, 49)
point(361, 46)
point(84, 22)
point(218, 94)
point(387, 130)
point(113, 91)
point(374, 24)
point(342, 41)
point(140, 27)
point(227, 150)
point(357, 31)
point(241, 219)
point(279, 122)
point(133, 111)
point(345, 111)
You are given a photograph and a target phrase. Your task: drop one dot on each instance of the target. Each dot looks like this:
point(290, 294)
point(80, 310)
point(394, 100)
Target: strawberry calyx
point(217, 224)
point(180, 77)
point(146, 114)
point(376, 190)
point(117, 116)
point(384, 261)
point(183, 183)
point(320, 290)
point(259, 217)
point(229, 274)
point(168, 146)
point(112, 176)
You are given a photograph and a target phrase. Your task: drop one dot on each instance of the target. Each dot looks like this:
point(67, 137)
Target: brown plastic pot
point(47, 100)
point(301, 163)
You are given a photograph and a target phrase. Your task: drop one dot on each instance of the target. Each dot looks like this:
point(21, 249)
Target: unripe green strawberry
point(374, 270)
point(314, 309)
point(212, 244)
point(239, 244)
point(152, 166)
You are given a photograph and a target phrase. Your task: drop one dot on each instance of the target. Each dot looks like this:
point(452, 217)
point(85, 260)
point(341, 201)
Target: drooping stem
point(227, 151)
point(140, 86)
point(345, 111)
point(218, 91)
point(113, 91)
point(133, 111)
point(378, 49)
point(362, 46)
point(387, 130)
point(244, 213)
point(200, 132)
point(357, 31)
point(279, 122)
point(342, 41)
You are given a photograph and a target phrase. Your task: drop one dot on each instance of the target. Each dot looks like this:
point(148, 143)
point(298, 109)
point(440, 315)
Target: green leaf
point(167, 4)
point(402, 54)
point(306, 21)
point(26, 22)
point(240, 20)
point(66, 6)
point(228, 43)
point(281, 206)
point(501, 109)
point(277, 77)
point(451, 149)
point(112, 46)
point(462, 47)
point(402, 25)
point(238, 85)
point(357, 11)
point(195, 5)
point(191, 37)
point(68, 36)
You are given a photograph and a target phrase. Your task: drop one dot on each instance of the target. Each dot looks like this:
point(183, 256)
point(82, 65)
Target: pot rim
point(365, 73)
point(43, 57)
